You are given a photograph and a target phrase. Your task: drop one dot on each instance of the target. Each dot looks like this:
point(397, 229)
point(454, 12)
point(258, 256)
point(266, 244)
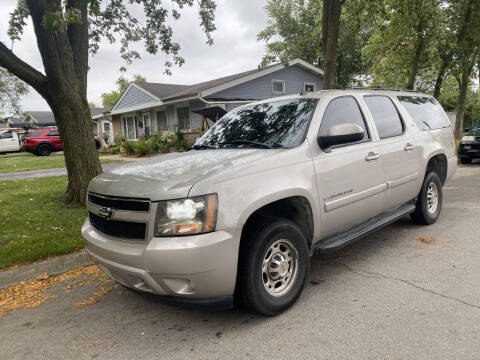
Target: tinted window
point(385, 116)
point(276, 123)
point(53, 133)
point(426, 111)
point(6, 135)
point(342, 110)
point(475, 129)
point(33, 134)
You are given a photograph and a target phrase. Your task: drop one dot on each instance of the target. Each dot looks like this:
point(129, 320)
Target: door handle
point(372, 156)
point(409, 147)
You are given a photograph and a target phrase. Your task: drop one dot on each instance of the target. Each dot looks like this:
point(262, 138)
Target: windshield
point(475, 127)
point(274, 124)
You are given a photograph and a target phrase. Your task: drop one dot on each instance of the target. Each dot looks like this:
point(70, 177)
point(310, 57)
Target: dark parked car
point(470, 145)
point(42, 142)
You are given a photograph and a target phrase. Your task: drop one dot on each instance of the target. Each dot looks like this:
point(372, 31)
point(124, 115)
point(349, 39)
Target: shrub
point(142, 147)
point(115, 150)
point(120, 139)
point(129, 147)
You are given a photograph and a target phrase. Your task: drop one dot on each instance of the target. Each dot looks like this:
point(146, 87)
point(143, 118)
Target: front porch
point(134, 125)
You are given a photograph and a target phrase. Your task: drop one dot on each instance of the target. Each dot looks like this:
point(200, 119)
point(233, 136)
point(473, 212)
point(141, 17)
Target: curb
point(53, 266)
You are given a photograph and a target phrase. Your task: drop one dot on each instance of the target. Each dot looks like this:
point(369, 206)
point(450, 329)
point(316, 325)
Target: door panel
point(350, 177)
point(401, 158)
point(351, 189)
point(401, 154)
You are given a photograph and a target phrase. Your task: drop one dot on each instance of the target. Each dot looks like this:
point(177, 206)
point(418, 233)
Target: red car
point(42, 142)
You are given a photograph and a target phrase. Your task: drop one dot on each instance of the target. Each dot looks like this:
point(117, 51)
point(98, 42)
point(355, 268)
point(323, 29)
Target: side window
point(343, 110)
point(6, 135)
point(426, 111)
point(53, 133)
point(385, 116)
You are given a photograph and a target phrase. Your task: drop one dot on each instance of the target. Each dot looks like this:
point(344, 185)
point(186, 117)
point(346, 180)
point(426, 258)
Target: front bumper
point(470, 149)
point(196, 267)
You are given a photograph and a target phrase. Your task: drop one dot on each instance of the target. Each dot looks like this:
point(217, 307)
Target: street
point(406, 292)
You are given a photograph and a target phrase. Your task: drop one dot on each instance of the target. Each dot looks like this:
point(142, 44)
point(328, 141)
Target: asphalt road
point(390, 296)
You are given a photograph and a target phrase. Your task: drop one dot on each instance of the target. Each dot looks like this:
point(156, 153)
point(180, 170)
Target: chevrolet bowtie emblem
point(105, 213)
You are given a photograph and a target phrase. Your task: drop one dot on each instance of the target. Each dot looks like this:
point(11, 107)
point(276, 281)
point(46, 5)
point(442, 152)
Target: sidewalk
point(58, 171)
point(54, 266)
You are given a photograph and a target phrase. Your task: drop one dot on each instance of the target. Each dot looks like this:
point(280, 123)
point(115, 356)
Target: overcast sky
point(235, 49)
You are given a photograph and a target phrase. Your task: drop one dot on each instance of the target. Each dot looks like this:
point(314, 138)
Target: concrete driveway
point(407, 292)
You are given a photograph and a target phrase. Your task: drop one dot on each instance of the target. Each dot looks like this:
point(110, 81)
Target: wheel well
point(296, 209)
point(439, 165)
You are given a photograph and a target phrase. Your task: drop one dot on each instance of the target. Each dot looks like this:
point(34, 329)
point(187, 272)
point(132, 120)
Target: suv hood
point(173, 175)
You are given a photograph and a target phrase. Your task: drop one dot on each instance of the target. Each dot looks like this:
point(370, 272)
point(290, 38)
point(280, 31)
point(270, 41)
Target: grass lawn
point(14, 154)
point(34, 224)
point(10, 163)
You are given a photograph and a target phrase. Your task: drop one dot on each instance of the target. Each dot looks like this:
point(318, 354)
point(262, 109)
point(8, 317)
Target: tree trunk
point(65, 59)
point(441, 75)
point(416, 59)
point(331, 28)
point(72, 115)
point(462, 96)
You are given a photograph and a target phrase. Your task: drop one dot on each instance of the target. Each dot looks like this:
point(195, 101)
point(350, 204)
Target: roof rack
point(379, 88)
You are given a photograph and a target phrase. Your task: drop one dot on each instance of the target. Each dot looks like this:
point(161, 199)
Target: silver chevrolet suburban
point(265, 188)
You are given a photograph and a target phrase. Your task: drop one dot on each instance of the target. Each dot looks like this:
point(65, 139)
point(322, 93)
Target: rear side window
point(385, 116)
point(426, 111)
point(33, 134)
point(343, 110)
point(6, 135)
point(53, 133)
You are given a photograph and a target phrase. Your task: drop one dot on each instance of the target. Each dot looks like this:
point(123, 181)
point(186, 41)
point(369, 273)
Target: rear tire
point(466, 160)
point(44, 150)
point(429, 203)
point(273, 267)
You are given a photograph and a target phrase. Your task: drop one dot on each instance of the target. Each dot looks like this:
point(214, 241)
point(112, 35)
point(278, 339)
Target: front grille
point(120, 229)
point(119, 203)
point(477, 138)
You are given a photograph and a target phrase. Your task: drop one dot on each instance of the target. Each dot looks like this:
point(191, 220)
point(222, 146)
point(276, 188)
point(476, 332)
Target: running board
point(339, 240)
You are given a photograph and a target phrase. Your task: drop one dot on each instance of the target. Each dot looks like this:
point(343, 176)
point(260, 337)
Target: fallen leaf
point(29, 294)
point(427, 240)
point(43, 276)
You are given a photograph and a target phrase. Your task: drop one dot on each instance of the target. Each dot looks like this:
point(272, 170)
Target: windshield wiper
point(203, 147)
point(254, 143)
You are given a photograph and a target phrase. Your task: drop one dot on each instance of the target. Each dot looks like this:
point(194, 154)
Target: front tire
point(429, 203)
point(273, 267)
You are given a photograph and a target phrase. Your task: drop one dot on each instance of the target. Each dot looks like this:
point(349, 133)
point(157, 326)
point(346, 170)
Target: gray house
point(147, 108)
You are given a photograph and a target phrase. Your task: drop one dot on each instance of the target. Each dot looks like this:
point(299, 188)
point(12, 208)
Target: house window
point(106, 127)
point(129, 123)
point(278, 86)
point(309, 87)
point(162, 122)
point(147, 123)
point(183, 116)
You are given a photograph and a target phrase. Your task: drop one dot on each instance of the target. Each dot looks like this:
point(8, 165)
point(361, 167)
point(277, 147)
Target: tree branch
point(22, 70)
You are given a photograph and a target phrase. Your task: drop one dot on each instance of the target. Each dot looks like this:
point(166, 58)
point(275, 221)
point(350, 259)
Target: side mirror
point(341, 134)
point(466, 130)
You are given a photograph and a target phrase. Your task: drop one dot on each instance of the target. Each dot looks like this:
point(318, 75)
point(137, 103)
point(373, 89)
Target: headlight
point(195, 215)
point(468, 138)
